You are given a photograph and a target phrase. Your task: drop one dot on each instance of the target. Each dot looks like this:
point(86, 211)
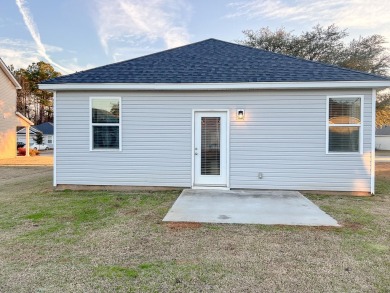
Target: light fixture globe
point(240, 114)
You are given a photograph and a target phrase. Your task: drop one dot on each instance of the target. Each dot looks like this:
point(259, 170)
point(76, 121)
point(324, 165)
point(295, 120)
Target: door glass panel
point(210, 145)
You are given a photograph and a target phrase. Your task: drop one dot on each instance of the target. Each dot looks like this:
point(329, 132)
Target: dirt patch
point(335, 193)
point(352, 225)
point(382, 170)
point(17, 174)
point(183, 225)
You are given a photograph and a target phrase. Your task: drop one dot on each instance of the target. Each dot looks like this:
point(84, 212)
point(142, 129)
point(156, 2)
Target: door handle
point(196, 154)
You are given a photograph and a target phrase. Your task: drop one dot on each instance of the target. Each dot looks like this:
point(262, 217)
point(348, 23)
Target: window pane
point(344, 111)
point(106, 137)
point(210, 144)
point(343, 139)
point(105, 111)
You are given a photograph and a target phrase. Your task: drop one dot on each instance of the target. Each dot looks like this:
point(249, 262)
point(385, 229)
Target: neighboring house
point(10, 119)
point(216, 115)
point(382, 138)
point(47, 130)
point(21, 134)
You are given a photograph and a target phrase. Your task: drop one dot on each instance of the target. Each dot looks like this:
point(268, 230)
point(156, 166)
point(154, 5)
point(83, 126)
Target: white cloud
point(372, 16)
point(21, 53)
point(18, 52)
point(32, 28)
point(140, 22)
point(73, 65)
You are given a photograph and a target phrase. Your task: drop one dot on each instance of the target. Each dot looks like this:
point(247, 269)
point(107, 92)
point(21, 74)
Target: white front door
point(210, 149)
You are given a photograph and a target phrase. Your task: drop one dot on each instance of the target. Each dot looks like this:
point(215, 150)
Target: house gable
point(9, 75)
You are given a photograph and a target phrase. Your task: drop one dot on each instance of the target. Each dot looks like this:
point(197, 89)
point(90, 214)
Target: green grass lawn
point(73, 241)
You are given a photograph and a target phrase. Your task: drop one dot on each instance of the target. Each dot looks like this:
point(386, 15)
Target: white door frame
point(227, 148)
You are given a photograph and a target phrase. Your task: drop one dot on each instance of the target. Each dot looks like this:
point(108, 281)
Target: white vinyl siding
point(8, 119)
point(282, 136)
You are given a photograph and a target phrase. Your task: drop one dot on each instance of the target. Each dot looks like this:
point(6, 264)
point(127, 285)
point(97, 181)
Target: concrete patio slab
point(247, 207)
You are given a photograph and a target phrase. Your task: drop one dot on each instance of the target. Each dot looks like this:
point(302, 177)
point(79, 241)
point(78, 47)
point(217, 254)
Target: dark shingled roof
point(214, 61)
point(45, 128)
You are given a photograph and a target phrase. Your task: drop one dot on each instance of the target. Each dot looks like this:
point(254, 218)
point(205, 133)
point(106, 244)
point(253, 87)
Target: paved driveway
point(382, 156)
point(247, 207)
point(19, 175)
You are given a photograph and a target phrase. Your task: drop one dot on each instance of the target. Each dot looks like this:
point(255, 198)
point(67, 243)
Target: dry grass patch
point(183, 225)
point(73, 241)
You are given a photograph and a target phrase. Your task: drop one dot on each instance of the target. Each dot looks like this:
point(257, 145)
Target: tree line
point(33, 103)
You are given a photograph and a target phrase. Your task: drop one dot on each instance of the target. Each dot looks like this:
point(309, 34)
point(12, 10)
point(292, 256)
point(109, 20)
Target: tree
point(325, 44)
point(32, 102)
point(38, 138)
point(383, 109)
point(367, 54)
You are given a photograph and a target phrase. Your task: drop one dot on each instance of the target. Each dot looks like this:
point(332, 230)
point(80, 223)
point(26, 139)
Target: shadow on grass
point(69, 212)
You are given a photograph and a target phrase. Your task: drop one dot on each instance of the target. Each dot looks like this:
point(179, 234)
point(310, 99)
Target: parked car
point(39, 147)
point(20, 144)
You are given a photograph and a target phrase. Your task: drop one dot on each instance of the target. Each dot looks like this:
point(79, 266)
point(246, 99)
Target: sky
point(75, 35)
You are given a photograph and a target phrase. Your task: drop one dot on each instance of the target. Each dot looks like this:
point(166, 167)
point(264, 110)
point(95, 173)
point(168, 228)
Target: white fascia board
point(20, 115)
point(9, 74)
point(216, 86)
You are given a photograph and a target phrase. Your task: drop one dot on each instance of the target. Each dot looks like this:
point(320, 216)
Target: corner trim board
point(55, 139)
point(373, 124)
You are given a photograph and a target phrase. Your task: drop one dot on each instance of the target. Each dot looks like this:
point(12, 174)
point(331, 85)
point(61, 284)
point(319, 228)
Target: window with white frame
point(105, 124)
point(344, 124)
point(50, 139)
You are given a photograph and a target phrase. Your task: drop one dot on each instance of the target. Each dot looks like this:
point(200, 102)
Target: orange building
point(10, 119)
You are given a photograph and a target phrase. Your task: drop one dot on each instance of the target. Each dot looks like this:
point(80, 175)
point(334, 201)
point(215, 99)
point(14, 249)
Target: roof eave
point(9, 75)
point(32, 130)
point(216, 86)
point(24, 118)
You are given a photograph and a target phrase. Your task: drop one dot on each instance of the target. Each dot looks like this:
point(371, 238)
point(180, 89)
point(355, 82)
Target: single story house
point(382, 138)
point(214, 114)
point(21, 134)
point(47, 130)
point(10, 119)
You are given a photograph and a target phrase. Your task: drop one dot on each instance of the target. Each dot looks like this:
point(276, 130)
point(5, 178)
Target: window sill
point(105, 150)
point(344, 153)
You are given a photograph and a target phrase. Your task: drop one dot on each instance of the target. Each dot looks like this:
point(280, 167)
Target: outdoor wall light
point(240, 114)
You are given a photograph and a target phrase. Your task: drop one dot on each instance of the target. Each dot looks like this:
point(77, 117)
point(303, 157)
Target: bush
point(34, 152)
point(21, 151)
